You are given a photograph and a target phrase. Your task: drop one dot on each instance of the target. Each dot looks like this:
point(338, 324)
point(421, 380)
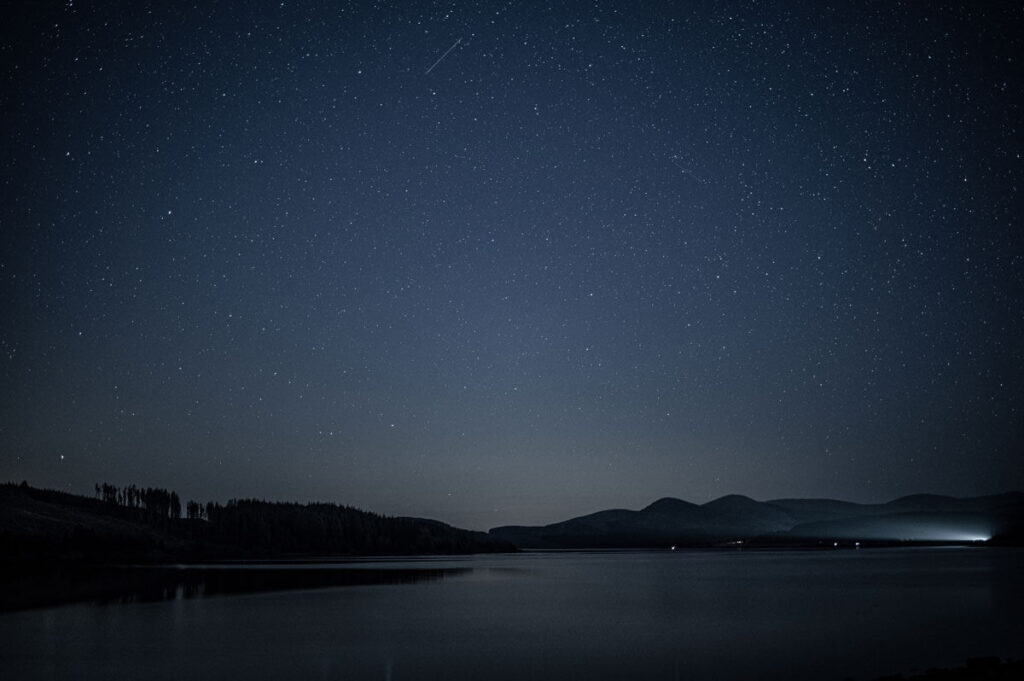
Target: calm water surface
point(667, 615)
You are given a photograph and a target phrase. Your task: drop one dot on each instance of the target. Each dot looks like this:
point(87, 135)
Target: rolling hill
point(736, 519)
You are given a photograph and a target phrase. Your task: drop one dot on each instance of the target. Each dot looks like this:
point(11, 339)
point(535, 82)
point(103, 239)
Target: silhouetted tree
point(265, 528)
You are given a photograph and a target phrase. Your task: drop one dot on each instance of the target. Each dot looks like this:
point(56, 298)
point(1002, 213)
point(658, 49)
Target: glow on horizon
point(917, 530)
point(950, 534)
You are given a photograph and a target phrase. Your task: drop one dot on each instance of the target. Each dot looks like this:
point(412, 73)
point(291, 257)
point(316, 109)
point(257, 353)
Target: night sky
point(512, 262)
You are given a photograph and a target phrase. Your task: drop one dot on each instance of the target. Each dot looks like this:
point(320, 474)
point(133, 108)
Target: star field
point(510, 262)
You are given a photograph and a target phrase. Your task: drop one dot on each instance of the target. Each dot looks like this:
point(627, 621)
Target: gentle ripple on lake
point(655, 615)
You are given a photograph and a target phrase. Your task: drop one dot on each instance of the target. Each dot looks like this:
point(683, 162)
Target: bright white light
point(960, 537)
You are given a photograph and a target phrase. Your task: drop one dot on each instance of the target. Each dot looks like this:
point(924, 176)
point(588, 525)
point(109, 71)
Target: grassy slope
point(44, 525)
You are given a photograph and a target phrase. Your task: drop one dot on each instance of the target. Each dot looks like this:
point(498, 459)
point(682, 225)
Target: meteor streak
point(441, 58)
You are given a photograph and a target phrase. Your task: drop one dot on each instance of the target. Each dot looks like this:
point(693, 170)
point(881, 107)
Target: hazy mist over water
point(656, 615)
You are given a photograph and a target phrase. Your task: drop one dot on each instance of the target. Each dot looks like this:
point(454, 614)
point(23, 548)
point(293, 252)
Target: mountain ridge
point(736, 519)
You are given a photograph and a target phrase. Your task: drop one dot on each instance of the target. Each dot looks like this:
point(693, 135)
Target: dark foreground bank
point(978, 669)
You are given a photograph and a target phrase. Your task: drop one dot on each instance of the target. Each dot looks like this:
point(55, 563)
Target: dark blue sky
point(602, 252)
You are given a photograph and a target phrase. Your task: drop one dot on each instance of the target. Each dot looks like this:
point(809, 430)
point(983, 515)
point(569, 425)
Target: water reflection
point(795, 615)
point(116, 585)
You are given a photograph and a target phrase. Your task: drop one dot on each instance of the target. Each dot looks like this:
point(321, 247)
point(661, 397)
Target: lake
point(588, 615)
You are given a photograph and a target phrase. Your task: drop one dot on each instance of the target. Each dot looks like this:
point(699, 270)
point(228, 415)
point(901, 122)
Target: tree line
point(155, 502)
point(279, 528)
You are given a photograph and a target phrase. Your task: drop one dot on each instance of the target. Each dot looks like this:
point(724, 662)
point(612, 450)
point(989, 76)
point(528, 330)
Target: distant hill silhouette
point(737, 519)
point(143, 526)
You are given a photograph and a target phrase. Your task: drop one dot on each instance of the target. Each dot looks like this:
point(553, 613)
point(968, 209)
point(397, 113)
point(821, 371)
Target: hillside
point(44, 525)
point(737, 519)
